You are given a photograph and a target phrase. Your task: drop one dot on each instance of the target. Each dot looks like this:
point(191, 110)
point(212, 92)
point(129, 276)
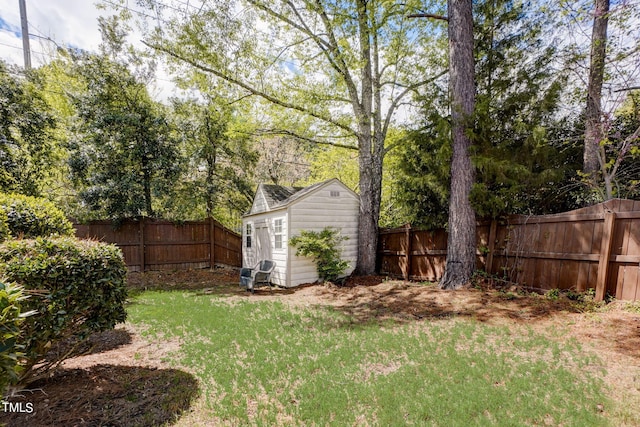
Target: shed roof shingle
point(277, 195)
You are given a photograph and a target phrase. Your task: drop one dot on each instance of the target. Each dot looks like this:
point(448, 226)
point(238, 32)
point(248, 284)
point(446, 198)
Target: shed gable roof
point(278, 196)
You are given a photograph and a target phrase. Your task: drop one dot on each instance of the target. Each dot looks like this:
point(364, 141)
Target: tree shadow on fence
point(104, 395)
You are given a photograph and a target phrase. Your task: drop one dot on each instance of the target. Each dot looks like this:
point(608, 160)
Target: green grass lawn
point(265, 363)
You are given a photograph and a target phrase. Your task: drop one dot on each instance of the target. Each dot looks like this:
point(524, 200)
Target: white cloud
point(68, 23)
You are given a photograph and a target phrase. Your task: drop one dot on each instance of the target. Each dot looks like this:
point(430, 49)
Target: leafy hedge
point(30, 217)
point(11, 319)
point(77, 287)
point(4, 226)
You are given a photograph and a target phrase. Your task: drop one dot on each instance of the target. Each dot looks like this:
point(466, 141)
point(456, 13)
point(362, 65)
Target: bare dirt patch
point(135, 351)
point(205, 279)
point(124, 380)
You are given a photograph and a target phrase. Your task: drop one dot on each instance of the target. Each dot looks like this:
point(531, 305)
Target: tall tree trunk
point(370, 185)
point(211, 166)
point(147, 192)
point(461, 245)
point(593, 127)
point(370, 153)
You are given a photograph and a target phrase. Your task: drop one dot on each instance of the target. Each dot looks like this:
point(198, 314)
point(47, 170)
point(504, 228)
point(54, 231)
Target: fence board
point(162, 245)
point(628, 283)
point(570, 274)
point(570, 250)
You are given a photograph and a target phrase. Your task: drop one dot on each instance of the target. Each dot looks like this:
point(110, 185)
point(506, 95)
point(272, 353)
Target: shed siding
point(250, 255)
point(317, 211)
point(259, 203)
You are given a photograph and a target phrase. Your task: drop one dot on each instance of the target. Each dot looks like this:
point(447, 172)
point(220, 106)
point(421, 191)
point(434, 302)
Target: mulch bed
point(104, 395)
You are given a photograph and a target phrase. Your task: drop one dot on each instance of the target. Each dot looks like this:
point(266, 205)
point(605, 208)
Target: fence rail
point(597, 247)
point(163, 245)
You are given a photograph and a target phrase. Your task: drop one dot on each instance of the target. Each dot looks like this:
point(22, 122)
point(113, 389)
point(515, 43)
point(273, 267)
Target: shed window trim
point(277, 233)
point(248, 234)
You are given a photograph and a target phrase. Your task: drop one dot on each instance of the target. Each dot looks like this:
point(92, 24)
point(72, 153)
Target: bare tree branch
point(396, 101)
point(351, 86)
point(302, 28)
point(625, 89)
point(250, 88)
point(330, 48)
point(428, 15)
point(282, 132)
point(627, 144)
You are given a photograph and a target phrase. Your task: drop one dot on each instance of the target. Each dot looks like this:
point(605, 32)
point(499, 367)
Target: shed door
point(263, 242)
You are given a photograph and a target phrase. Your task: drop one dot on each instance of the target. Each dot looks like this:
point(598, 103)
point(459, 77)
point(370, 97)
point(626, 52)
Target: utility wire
point(158, 4)
point(8, 45)
point(20, 48)
point(119, 6)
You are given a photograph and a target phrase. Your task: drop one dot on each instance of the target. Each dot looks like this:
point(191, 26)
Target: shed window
point(248, 235)
point(277, 232)
point(335, 193)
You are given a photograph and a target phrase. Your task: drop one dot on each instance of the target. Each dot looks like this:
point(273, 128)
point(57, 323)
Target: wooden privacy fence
point(163, 245)
point(596, 247)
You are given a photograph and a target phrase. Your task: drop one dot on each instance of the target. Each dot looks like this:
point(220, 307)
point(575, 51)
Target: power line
point(11, 46)
point(146, 15)
point(189, 5)
point(157, 3)
point(37, 29)
point(19, 48)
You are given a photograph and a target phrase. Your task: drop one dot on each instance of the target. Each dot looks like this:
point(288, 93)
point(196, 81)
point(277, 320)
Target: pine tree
point(518, 94)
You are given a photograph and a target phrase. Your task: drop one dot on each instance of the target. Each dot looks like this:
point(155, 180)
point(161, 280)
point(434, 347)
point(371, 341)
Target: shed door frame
point(263, 241)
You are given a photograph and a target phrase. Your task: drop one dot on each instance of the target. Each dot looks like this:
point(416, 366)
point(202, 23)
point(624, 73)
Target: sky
point(67, 23)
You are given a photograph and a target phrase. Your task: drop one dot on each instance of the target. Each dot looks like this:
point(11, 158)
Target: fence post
point(605, 254)
point(492, 245)
point(143, 266)
point(212, 242)
point(407, 272)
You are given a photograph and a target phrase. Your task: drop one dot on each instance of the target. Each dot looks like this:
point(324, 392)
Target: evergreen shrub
point(5, 233)
point(11, 319)
point(30, 217)
point(77, 287)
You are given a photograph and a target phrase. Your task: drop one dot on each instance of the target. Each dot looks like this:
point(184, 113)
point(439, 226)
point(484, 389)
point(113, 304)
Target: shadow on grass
point(221, 282)
point(105, 395)
point(96, 343)
point(371, 300)
point(404, 302)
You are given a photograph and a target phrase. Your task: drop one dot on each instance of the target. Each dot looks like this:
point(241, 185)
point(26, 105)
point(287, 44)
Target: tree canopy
point(297, 91)
point(26, 124)
point(347, 67)
point(124, 153)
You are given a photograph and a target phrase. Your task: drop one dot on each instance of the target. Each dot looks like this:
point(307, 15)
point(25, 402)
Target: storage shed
point(279, 213)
